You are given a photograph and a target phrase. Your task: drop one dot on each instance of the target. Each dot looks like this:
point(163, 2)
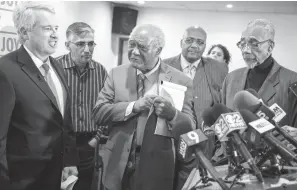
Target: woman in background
point(220, 53)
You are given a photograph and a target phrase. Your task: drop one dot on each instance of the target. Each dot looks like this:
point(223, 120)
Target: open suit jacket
point(36, 142)
point(207, 84)
point(119, 90)
point(275, 89)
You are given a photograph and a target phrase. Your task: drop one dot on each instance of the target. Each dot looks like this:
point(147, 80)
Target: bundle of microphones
point(251, 134)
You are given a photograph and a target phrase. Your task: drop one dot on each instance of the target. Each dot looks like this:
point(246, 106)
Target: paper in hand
point(69, 183)
point(175, 94)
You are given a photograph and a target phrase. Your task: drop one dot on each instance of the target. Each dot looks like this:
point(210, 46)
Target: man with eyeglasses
point(263, 73)
point(135, 157)
point(207, 75)
point(85, 78)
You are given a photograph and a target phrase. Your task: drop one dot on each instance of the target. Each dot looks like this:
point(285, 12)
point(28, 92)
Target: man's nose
point(86, 48)
point(246, 49)
point(135, 51)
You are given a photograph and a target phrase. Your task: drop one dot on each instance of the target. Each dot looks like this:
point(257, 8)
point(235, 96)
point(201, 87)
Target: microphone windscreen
point(207, 117)
point(248, 116)
point(244, 99)
point(253, 92)
point(219, 109)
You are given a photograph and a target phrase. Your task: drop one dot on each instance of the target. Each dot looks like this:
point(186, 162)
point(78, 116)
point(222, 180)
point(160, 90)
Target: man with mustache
point(207, 75)
point(85, 78)
point(37, 142)
point(263, 73)
point(135, 157)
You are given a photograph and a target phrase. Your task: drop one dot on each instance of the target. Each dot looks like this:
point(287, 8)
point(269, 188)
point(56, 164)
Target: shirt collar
point(70, 63)
point(184, 63)
point(150, 75)
point(35, 59)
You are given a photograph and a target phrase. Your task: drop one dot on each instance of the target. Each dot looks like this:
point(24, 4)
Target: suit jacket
point(275, 89)
point(119, 90)
point(206, 84)
point(32, 129)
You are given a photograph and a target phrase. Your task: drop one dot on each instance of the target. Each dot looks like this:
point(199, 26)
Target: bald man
point(207, 75)
point(134, 157)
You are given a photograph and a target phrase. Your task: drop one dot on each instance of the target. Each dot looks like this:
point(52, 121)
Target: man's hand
point(163, 108)
point(93, 142)
point(68, 171)
point(144, 103)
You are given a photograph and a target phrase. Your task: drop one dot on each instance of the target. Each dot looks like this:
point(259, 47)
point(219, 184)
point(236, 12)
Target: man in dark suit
point(207, 75)
point(135, 157)
point(37, 144)
point(263, 74)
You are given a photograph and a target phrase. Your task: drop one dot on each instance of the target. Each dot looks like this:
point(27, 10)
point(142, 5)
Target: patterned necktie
point(190, 70)
point(50, 82)
point(140, 85)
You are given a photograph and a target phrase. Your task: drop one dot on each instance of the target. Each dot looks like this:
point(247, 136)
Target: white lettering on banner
point(8, 40)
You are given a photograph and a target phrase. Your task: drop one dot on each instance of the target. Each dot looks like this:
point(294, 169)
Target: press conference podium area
point(285, 182)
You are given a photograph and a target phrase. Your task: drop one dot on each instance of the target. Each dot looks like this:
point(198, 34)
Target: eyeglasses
point(132, 44)
point(91, 44)
point(251, 44)
point(192, 40)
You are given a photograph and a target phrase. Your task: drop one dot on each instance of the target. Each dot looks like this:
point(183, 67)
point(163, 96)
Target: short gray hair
point(156, 33)
point(78, 28)
point(265, 24)
point(24, 17)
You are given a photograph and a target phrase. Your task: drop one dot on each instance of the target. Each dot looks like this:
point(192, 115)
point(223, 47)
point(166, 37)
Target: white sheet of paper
point(69, 183)
point(175, 94)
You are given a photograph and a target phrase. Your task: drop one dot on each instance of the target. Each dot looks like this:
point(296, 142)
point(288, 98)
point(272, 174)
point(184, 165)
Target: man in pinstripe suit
point(207, 75)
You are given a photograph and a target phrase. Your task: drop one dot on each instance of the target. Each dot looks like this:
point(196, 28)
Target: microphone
point(228, 124)
point(193, 140)
point(264, 128)
point(245, 100)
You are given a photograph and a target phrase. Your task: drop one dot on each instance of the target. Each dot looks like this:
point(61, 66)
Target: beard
point(251, 64)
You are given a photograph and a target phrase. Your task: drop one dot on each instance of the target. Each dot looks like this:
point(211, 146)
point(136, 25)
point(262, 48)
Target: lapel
point(164, 72)
point(177, 63)
point(200, 74)
point(131, 83)
point(267, 90)
point(34, 74)
point(241, 83)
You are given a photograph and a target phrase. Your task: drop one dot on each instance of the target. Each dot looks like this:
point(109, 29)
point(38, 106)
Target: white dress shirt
point(58, 84)
point(189, 68)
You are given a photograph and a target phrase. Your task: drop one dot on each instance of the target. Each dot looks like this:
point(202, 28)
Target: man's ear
point(181, 43)
point(159, 50)
point(67, 46)
point(24, 33)
point(271, 46)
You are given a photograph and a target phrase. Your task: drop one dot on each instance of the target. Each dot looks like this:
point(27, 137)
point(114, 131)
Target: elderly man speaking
point(134, 157)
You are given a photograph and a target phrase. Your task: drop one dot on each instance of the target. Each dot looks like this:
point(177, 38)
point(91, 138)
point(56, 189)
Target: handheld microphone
point(245, 100)
point(192, 140)
point(228, 125)
point(264, 128)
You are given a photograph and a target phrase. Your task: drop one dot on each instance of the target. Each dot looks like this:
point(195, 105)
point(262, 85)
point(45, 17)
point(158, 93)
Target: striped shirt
point(84, 88)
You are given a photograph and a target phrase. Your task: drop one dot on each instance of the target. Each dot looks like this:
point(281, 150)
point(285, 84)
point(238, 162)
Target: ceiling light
point(141, 2)
point(229, 6)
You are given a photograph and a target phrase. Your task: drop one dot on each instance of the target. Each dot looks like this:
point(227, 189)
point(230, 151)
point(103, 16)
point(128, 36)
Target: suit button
point(195, 97)
point(62, 153)
point(128, 149)
point(129, 164)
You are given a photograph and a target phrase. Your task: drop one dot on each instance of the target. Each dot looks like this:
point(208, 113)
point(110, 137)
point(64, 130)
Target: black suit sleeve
point(293, 105)
point(7, 101)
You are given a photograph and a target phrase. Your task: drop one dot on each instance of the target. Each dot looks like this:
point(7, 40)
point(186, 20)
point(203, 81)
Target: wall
point(224, 28)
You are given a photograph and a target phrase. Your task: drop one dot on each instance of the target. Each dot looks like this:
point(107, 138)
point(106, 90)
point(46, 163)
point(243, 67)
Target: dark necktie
point(140, 85)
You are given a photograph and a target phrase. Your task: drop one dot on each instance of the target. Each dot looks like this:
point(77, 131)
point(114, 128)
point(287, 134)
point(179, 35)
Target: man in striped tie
point(135, 157)
point(85, 78)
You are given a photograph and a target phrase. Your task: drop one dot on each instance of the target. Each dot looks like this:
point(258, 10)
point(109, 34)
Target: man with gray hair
point(263, 74)
point(208, 76)
point(85, 78)
point(37, 143)
point(134, 157)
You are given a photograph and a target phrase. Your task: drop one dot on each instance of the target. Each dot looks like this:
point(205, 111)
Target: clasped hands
point(163, 107)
